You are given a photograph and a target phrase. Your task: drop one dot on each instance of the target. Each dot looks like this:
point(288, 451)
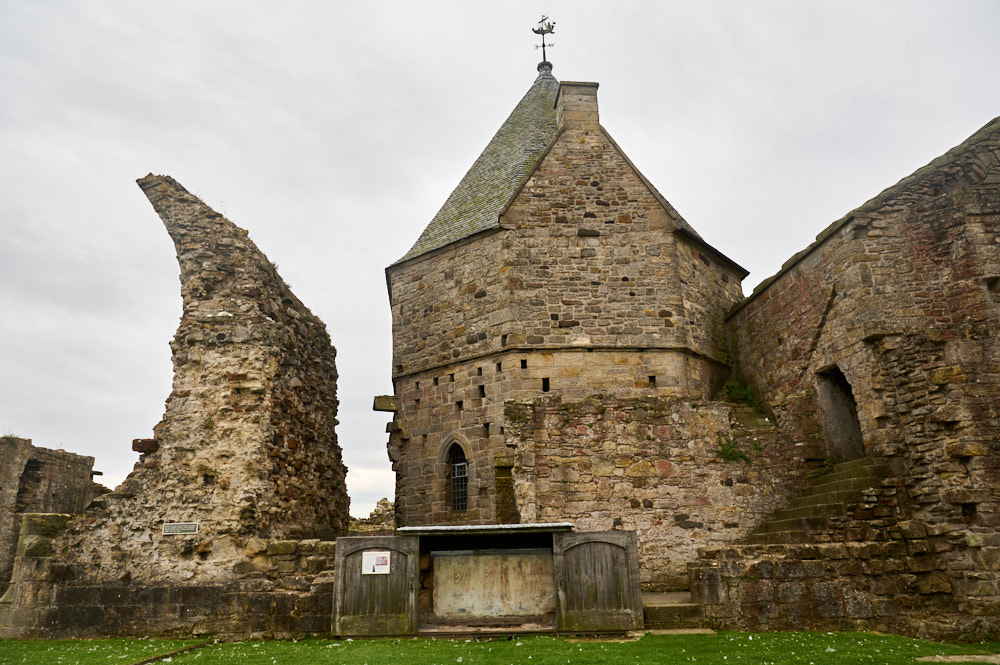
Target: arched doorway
point(839, 415)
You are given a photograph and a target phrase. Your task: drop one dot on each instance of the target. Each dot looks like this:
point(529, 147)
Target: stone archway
point(839, 415)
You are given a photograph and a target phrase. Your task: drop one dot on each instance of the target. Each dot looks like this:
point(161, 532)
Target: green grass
point(726, 648)
point(86, 652)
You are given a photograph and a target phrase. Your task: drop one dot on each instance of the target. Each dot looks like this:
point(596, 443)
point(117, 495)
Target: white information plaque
point(180, 528)
point(375, 563)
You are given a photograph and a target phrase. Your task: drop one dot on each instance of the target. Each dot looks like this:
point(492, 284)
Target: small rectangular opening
point(486, 430)
point(524, 363)
point(545, 385)
point(460, 405)
point(451, 378)
point(501, 430)
point(416, 402)
point(435, 380)
point(482, 391)
point(417, 386)
point(503, 340)
point(652, 382)
point(479, 371)
point(499, 367)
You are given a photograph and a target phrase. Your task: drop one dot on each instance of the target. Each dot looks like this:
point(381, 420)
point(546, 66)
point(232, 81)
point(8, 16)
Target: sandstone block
point(912, 529)
point(34, 546)
point(276, 547)
point(44, 524)
point(982, 539)
point(255, 546)
point(933, 583)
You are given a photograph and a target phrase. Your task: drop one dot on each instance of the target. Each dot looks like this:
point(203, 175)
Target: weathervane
point(545, 27)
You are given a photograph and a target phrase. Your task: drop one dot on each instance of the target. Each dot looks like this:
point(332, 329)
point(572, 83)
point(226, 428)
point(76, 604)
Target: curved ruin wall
point(246, 447)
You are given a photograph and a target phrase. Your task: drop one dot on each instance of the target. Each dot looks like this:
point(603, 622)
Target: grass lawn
point(86, 652)
point(725, 648)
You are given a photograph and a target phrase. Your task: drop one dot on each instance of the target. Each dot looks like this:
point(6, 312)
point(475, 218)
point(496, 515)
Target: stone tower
point(554, 267)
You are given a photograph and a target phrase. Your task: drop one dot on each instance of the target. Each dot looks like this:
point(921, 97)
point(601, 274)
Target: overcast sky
point(333, 131)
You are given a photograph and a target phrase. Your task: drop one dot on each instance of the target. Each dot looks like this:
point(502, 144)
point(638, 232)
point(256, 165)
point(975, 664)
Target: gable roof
point(475, 205)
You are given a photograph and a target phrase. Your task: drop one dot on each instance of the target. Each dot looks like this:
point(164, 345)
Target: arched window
point(458, 469)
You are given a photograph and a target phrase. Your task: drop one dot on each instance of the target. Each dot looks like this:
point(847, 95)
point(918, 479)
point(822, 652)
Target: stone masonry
point(246, 446)
point(682, 473)
point(563, 341)
point(880, 341)
point(246, 450)
point(581, 278)
point(276, 589)
point(38, 480)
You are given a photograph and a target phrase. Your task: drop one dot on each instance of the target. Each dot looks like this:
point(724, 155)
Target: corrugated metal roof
point(475, 205)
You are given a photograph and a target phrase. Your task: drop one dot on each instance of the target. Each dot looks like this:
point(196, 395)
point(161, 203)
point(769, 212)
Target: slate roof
point(511, 155)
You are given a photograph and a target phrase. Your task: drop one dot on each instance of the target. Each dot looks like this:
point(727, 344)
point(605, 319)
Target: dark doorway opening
point(839, 415)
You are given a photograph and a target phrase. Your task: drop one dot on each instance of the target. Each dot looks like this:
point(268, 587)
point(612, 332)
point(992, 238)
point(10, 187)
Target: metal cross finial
point(545, 27)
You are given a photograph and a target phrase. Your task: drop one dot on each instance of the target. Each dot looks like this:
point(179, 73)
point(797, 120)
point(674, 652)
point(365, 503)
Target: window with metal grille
point(459, 477)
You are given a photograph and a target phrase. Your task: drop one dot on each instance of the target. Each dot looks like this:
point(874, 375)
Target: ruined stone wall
point(901, 297)
point(38, 480)
point(246, 448)
point(899, 302)
point(275, 589)
point(869, 569)
point(653, 465)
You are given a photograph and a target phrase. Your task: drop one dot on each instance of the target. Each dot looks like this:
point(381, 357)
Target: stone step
point(672, 611)
point(749, 418)
point(825, 497)
point(871, 471)
point(844, 485)
point(819, 510)
point(854, 464)
point(778, 538)
point(846, 496)
point(813, 523)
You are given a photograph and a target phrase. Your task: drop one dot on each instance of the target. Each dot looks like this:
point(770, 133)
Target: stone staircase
point(826, 497)
point(673, 610)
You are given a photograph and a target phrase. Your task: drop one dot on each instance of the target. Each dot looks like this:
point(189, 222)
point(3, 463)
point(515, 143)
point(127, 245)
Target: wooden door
point(597, 581)
point(370, 600)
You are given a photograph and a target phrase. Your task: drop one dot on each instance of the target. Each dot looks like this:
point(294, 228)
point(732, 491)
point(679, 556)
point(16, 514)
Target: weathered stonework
point(381, 521)
point(587, 281)
point(653, 465)
point(246, 451)
point(38, 480)
point(275, 589)
point(247, 446)
point(894, 354)
point(876, 344)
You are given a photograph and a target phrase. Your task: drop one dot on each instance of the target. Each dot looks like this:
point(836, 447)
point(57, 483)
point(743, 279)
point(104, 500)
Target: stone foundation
point(277, 588)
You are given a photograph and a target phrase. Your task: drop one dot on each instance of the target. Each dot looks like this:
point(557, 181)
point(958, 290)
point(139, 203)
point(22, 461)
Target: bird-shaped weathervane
point(545, 27)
